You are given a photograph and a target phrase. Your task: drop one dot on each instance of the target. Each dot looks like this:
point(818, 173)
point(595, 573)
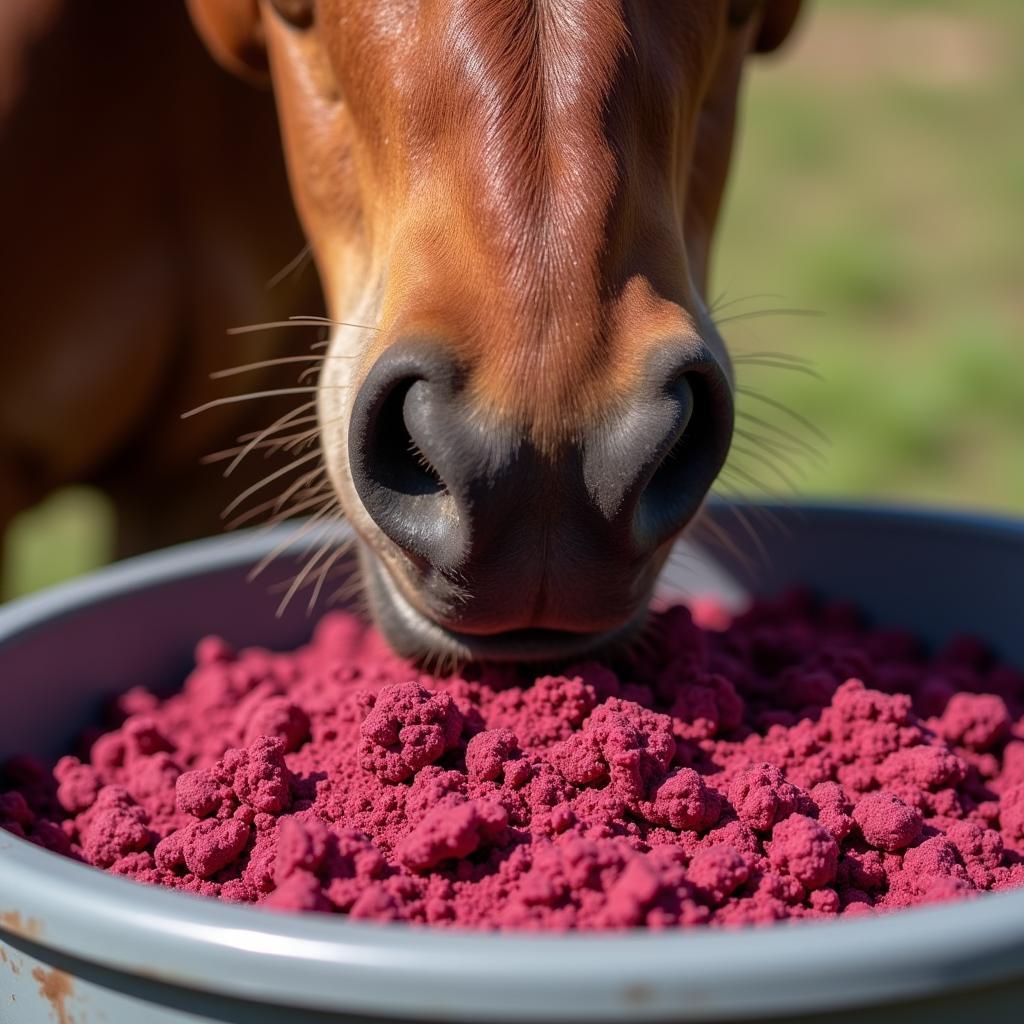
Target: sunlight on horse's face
point(514, 201)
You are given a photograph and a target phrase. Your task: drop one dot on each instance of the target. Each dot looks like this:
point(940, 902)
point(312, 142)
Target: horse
point(522, 399)
point(145, 207)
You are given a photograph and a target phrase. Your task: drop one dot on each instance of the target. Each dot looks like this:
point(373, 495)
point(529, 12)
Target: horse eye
point(741, 11)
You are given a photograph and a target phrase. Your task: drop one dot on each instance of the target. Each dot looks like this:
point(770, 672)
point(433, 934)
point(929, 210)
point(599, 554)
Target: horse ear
point(233, 33)
point(777, 22)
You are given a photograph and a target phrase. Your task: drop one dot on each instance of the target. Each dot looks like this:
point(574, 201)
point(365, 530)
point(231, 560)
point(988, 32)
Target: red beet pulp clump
point(792, 764)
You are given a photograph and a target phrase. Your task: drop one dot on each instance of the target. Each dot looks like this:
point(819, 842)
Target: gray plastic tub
point(79, 946)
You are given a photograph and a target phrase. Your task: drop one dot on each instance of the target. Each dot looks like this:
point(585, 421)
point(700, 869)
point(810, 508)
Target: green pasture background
point(879, 184)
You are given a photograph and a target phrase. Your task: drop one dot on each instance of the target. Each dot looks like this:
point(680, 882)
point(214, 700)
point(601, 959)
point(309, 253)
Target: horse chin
point(415, 635)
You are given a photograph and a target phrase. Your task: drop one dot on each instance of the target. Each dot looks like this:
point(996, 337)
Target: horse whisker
point(308, 525)
point(722, 538)
point(297, 321)
point(306, 480)
point(293, 264)
point(720, 304)
point(737, 474)
point(231, 399)
point(782, 407)
point(790, 437)
point(302, 574)
point(297, 442)
point(304, 503)
point(262, 364)
point(786, 480)
point(784, 356)
point(336, 323)
point(353, 586)
point(287, 420)
point(756, 314)
point(771, 519)
point(750, 531)
point(271, 444)
point(768, 458)
point(770, 364)
point(779, 447)
point(270, 478)
point(343, 549)
point(280, 423)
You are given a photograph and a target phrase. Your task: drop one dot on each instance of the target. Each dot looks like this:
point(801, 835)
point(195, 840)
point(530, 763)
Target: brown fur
point(144, 207)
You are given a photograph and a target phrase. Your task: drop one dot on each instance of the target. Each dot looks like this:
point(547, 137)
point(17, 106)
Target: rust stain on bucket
point(27, 928)
point(10, 961)
point(55, 988)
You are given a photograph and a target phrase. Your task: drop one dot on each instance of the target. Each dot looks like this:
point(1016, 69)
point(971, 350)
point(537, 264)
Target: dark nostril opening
point(390, 456)
point(399, 461)
point(671, 461)
point(687, 459)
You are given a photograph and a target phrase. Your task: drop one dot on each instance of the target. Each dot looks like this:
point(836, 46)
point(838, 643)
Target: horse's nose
point(454, 491)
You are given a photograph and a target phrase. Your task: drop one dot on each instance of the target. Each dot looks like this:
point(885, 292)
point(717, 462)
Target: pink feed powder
point(788, 764)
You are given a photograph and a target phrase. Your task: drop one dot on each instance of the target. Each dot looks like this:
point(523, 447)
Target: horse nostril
point(398, 458)
point(657, 461)
point(391, 452)
point(685, 464)
point(455, 493)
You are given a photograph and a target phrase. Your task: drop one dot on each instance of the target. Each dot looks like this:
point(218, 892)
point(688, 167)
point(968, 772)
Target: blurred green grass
point(879, 180)
point(70, 533)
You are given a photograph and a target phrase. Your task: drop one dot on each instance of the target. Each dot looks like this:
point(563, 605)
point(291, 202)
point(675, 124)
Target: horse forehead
point(432, 50)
